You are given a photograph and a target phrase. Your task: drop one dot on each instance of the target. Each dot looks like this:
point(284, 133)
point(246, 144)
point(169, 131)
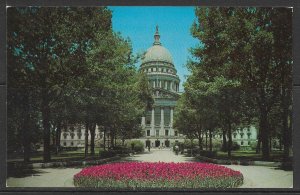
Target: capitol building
point(157, 125)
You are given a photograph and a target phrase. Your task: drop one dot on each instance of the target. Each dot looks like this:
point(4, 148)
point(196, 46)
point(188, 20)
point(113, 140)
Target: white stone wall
point(66, 139)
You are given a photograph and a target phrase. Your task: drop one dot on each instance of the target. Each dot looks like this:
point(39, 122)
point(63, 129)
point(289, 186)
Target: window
point(148, 132)
point(65, 136)
point(65, 144)
point(242, 143)
point(79, 135)
point(176, 133)
point(72, 144)
point(72, 135)
point(151, 69)
point(234, 135)
point(249, 142)
point(157, 133)
point(249, 135)
point(148, 122)
point(242, 135)
point(166, 132)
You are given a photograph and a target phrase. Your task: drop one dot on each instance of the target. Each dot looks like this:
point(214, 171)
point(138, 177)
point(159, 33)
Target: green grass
point(61, 156)
point(249, 155)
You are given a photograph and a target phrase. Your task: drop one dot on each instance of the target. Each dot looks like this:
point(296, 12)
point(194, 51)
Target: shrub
point(235, 146)
point(138, 146)
point(107, 153)
point(209, 154)
point(253, 145)
point(158, 175)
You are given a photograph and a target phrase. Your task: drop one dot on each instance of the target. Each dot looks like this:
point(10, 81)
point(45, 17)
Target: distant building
point(74, 136)
point(244, 137)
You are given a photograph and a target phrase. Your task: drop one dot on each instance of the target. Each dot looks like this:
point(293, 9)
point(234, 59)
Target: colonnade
point(174, 86)
point(162, 122)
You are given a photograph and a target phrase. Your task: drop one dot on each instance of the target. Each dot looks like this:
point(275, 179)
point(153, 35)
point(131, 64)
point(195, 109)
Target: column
point(143, 123)
point(171, 117)
point(153, 84)
point(166, 84)
point(162, 122)
point(171, 86)
point(159, 83)
point(152, 132)
point(172, 133)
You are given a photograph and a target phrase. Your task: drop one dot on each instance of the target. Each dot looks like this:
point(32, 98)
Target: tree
point(54, 45)
point(245, 55)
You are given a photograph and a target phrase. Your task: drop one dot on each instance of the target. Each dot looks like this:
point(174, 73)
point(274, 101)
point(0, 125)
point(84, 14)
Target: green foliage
point(136, 145)
point(65, 67)
point(238, 72)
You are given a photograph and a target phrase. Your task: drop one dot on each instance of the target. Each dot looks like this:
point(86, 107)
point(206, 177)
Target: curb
point(63, 164)
point(239, 162)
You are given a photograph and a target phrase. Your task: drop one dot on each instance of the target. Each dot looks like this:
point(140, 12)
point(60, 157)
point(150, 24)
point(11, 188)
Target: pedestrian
point(176, 149)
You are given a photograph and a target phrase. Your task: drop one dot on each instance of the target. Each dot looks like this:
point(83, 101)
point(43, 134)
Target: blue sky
point(138, 23)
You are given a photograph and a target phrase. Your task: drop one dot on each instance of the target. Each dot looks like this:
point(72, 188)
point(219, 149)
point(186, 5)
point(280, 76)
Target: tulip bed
point(135, 175)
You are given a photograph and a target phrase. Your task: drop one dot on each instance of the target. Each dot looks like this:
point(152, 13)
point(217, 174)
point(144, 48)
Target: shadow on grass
point(21, 172)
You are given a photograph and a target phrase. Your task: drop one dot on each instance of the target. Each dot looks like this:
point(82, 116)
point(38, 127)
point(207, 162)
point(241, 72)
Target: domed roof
point(157, 52)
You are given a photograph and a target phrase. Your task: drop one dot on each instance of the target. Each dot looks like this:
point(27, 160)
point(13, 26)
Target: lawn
point(249, 155)
point(61, 156)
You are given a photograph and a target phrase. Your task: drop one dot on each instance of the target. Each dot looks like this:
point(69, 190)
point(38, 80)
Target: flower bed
point(158, 175)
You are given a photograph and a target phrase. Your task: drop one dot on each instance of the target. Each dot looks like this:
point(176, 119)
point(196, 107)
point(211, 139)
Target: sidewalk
point(254, 176)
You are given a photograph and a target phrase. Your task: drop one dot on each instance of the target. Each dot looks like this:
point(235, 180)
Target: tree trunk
point(92, 130)
point(264, 129)
point(86, 139)
point(112, 139)
point(200, 140)
point(46, 127)
point(224, 143)
point(104, 139)
point(26, 131)
point(206, 136)
point(285, 127)
point(192, 146)
point(57, 136)
point(210, 140)
point(258, 146)
point(229, 148)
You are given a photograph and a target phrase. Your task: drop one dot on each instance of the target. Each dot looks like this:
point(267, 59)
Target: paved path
point(254, 176)
point(156, 155)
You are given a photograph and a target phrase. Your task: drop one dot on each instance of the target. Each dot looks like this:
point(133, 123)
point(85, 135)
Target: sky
point(138, 24)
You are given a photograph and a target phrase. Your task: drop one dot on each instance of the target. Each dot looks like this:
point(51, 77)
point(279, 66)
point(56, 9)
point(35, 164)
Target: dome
point(157, 53)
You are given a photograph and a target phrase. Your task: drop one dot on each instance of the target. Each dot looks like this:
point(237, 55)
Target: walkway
point(254, 176)
point(156, 155)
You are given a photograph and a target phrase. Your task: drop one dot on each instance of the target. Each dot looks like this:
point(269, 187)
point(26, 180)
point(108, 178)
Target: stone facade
point(73, 136)
point(245, 137)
